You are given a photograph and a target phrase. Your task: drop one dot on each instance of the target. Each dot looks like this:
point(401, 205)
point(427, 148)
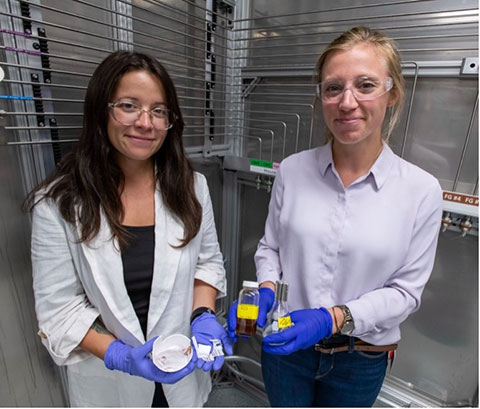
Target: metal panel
point(28, 376)
point(438, 353)
point(439, 124)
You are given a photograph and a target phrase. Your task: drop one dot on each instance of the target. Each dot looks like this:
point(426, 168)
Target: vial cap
point(250, 284)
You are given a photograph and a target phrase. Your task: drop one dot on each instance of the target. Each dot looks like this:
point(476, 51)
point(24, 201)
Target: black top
point(137, 259)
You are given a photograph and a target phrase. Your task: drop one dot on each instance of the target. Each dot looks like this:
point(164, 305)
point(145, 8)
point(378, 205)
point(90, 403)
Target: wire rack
point(243, 69)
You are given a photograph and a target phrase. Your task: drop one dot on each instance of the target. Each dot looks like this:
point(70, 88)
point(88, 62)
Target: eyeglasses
point(364, 89)
point(127, 113)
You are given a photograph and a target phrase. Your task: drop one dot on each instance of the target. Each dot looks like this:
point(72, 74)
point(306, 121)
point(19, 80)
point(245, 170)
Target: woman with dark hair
point(124, 246)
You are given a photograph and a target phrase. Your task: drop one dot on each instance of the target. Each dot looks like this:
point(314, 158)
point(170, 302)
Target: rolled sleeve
point(209, 268)
point(63, 311)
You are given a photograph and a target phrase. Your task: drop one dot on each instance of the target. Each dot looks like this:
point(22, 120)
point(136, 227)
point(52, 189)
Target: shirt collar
point(325, 158)
point(379, 171)
point(381, 168)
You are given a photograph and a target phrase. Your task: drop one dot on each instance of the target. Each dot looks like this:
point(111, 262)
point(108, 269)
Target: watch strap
point(199, 311)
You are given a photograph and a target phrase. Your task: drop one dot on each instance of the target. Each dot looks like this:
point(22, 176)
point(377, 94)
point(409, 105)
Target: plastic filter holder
point(172, 353)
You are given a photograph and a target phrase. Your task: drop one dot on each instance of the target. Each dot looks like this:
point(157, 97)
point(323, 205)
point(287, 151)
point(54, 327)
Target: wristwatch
point(199, 311)
point(348, 324)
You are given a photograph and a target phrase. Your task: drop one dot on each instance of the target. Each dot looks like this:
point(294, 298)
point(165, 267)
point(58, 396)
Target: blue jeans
point(308, 378)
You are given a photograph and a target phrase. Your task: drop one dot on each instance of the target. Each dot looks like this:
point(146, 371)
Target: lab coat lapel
point(105, 260)
point(168, 231)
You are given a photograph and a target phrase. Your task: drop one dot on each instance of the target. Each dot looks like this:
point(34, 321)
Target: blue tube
point(16, 97)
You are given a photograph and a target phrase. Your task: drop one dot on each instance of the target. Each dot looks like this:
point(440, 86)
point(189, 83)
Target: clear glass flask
point(247, 309)
point(279, 316)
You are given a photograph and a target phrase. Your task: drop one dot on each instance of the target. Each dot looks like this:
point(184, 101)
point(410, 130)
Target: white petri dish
point(172, 353)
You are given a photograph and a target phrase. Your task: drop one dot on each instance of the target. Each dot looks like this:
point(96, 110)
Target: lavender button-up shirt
point(370, 246)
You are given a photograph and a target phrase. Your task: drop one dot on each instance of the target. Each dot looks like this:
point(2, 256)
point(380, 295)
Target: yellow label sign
point(284, 322)
point(247, 311)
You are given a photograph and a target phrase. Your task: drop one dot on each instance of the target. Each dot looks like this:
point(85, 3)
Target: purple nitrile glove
point(311, 326)
point(267, 296)
point(204, 329)
point(135, 361)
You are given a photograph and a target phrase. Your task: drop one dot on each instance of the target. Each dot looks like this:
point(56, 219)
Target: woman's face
point(352, 121)
point(140, 140)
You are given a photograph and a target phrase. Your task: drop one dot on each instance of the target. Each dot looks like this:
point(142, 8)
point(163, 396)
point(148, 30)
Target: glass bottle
point(247, 309)
point(279, 316)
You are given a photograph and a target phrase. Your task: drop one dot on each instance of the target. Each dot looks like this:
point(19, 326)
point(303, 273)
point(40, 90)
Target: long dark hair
point(88, 179)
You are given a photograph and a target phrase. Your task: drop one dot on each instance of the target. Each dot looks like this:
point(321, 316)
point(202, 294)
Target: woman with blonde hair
point(353, 229)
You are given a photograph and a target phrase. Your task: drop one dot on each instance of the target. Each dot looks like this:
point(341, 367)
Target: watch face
point(347, 328)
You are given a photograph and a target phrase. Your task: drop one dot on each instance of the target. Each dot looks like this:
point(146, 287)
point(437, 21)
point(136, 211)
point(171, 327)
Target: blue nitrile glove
point(267, 296)
point(205, 328)
point(135, 361)
point(311, 326)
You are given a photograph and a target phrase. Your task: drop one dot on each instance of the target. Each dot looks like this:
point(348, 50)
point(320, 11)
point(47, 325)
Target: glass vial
point(247, 309)
point(279, 317)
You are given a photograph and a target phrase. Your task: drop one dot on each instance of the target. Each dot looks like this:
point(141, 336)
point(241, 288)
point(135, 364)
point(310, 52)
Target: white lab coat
point(76, 282)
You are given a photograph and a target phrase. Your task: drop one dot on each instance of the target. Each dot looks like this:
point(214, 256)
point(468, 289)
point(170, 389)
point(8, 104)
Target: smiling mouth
point(348, 119)
point(140, 138)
